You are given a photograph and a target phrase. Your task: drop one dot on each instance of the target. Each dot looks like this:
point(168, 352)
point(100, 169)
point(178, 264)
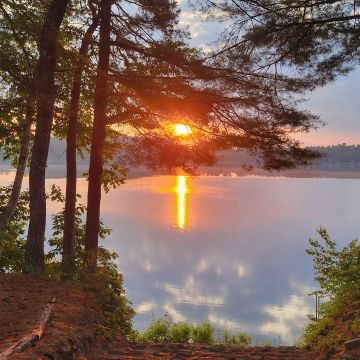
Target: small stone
point(348, 357)
point(348, 316)
point(352, 344)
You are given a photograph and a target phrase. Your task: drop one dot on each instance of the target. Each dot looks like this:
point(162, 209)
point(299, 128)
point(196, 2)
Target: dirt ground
point(69, 334)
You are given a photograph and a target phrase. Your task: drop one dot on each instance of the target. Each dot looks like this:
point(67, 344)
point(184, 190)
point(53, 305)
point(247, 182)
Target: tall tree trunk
point(98, 138)
point(20, 170)
point(34, 251)
point(68, 256)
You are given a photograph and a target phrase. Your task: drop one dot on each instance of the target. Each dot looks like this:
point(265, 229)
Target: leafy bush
point(164, 330)
point(158, 331)
point(180, 333)
point(14, 239)
point(203, 334)
point(106, 258)
point(267, 343)
point(106, 285)
point(338, 274)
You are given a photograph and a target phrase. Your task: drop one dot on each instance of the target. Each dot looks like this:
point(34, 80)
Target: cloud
point(148, 266)
point(191, 294)
point(289, 318)
point(145, 307)
point(175, 315)
point(203, 266)
point(227, 324)
point(241, 271)
point(193, 21)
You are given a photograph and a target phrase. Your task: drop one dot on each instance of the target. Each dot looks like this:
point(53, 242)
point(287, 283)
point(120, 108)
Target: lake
point(229, 250)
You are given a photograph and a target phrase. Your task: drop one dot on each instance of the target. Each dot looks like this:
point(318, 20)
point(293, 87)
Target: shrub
point(180, 333)
point(267, 343)
point(336, 271)
point(338, 274)
point(203, 334)
point(13, 241)
point(158, 331)
point(105, 286)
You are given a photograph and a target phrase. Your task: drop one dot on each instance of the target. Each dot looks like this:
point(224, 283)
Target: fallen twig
point(35, 335)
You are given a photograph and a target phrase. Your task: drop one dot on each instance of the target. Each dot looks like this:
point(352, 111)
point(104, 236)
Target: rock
point(352, 344)
point(349, 316)
point(348, 357)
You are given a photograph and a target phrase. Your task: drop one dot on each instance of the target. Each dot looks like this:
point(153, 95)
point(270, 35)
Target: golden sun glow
point(181, 205)
point(182, 130)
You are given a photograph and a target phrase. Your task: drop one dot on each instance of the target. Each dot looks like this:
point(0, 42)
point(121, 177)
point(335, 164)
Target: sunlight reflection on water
point(181, 190)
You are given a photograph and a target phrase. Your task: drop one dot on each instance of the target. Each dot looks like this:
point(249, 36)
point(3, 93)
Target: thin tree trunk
point(98, 138)
point(34, 250)
point(20, 170)
point(68, 256)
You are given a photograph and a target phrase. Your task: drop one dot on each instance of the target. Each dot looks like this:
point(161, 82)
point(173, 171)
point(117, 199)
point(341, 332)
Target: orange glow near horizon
point(182, 130)
point(181, 203)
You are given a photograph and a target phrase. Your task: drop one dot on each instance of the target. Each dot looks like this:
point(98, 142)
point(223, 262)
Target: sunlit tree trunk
point(68, 256)
point(20, 170)
point(98, 138)
point(34, 251)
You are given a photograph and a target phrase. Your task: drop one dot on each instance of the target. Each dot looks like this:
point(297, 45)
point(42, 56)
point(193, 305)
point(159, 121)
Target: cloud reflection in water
point(244, 249)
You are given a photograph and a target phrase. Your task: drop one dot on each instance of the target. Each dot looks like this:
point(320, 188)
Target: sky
point(338, 103)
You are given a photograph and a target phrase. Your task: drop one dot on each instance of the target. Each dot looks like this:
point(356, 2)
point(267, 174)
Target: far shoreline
point(58, 171)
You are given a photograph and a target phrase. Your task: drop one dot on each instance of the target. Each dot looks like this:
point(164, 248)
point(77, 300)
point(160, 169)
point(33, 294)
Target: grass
point(164, 330)
point(236, 338)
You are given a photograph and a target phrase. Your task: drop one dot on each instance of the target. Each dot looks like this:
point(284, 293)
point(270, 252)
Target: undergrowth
point(105, 286)
point(338, 274)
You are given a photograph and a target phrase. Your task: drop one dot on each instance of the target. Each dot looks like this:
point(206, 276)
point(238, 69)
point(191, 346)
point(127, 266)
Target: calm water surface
point(227, 250)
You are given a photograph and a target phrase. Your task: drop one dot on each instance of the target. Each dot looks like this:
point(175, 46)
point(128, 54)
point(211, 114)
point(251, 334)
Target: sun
point(182, 130)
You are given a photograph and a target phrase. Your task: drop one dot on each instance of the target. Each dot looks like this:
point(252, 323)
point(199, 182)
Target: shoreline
point(234, 171)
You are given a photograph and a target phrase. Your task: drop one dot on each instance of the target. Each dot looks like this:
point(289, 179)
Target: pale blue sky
point(337, 103)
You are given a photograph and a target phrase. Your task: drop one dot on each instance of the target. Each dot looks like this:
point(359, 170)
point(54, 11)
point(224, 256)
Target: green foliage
point(338, 274)
point(337, 271)
point(14, 240)
point(113, 176)
point(165, 330)
point(356, 323)
point(314, 329)
point(180, 333)
point(158, 331)
point(106, 258)
point(229, 337)
point(106, 285)
point(203, 334)
point(267, 343)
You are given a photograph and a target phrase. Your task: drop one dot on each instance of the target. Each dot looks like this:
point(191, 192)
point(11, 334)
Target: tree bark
point(68, 256)
point(98, 138)
point(20, 170)
point(34, 250)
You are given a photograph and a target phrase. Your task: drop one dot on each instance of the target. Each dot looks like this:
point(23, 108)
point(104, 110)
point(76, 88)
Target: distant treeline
point(57, 154)
point(341, 154)
point(334, 155)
